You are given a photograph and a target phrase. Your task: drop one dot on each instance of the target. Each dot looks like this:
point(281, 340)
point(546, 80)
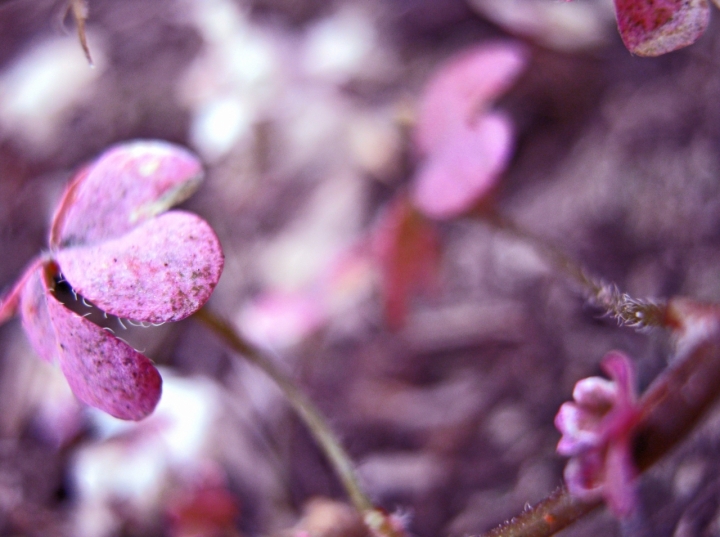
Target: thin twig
point(79, 12)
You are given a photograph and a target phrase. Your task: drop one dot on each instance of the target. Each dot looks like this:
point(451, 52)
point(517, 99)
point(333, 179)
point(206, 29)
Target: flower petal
point(584, 476)
point(127, 185)
point(163, 270)
point(465, 86)
point(620, 474)
point(578, 429)
point(655, 27)
point(35, 316)
point(595, 394)
point(464, 169)
point(103, 371)
point(620, 369)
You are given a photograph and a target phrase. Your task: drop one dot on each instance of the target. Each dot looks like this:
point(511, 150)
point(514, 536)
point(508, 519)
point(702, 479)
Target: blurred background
point(302, 111)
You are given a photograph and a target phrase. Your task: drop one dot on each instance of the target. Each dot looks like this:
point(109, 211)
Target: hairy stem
point(306, 410)
point(628, 311)
point(551, 515)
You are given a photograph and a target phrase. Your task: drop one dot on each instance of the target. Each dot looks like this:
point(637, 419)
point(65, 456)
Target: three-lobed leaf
point(111, 242)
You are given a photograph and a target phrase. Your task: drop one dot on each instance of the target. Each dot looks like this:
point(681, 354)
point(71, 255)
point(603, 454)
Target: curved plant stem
point(636, 313)
point(306, 410)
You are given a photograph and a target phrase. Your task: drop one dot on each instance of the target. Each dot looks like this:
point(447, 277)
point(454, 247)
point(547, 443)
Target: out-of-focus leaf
point(103, 371)
point(125, 187)
point(209, 506)
point(35, 316)
point(465, 168)
point(655, 27)
point(279, 320)
point(464, 87)
point(408, 252)
point(163, 270)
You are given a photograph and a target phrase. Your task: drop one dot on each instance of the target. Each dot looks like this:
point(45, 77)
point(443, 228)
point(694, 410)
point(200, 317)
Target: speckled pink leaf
point(34, 312)
point(127, 185)
point(163, 270)
point(464, 169)
point(103, 371)
point(464, 87)
point(655, 27)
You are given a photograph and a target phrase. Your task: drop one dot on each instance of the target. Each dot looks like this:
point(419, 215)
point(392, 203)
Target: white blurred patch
point(233, 81)
point(565, 26)
point(181, 422)
point(217, 20)
point(42, 85)
point(218, 125)
point(133, 463)
point(340, 47)
point(312, 119)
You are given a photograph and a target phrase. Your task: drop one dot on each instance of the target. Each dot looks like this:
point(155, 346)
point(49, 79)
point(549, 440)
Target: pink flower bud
point(597, 433)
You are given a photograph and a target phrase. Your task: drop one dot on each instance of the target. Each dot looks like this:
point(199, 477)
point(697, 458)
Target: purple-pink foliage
point(464, 144)
point(112, 240)
point(656, 27)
